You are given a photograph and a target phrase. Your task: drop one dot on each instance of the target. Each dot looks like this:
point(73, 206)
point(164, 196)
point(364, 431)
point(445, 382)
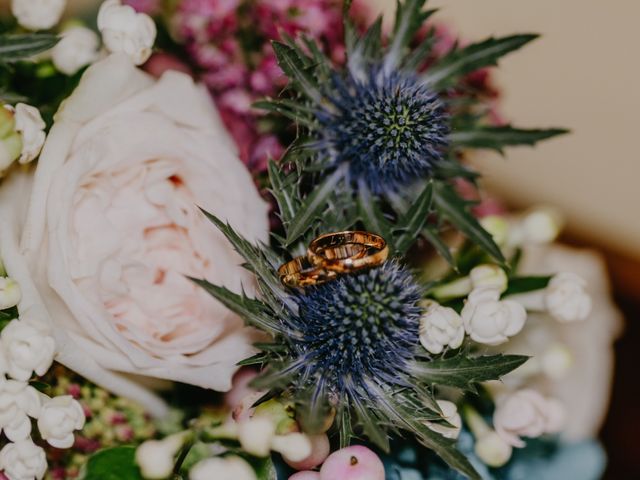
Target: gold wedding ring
point(300, 272)
point(333, 254)
point(345, 252)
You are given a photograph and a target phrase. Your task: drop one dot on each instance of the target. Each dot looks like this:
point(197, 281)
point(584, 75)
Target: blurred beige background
point(583, 74)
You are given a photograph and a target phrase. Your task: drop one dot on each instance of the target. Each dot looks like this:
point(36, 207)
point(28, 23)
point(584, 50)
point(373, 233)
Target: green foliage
point(462, 61)
point(454, 209)
point(410, 17)
point(526, 284)
point(112, 464)
point(412, 223)
point(14, 48)
point(294, 63)
point(496, 138)
point(465, 372)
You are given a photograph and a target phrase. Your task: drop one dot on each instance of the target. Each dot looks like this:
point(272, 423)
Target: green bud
point(10, 149)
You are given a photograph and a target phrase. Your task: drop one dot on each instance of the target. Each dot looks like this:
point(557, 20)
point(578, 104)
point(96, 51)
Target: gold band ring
point(300, 272)
point(344, 252)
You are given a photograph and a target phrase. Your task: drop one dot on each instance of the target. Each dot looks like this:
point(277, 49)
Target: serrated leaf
point(496, 138)
point(112, 464)
point(287, 108)
point(461, 61)
point(291, 61)
point(313, 205)
point(432, 236)
point(465, 372)
point(413, 221)
point(257, 359)
point(254, 312)
point(526, 284)
point(410, 16)
point(366, 48)
point(453, 208)
point(256, 262)
point(453, 169)
point(416, 59)
point(14, 48)
point(371, 215)
point(284, 191)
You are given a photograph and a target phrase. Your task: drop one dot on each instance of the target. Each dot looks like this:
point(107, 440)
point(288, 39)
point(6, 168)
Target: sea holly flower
point(387, 121)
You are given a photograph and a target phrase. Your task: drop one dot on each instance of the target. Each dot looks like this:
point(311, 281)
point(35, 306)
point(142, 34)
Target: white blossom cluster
point(27, 348)
point(491, 317)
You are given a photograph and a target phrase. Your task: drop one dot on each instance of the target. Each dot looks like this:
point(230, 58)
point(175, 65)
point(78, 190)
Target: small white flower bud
point(566, 299)
point(77, 48)
point(126, 31)
point(493, 450)
point(10, 294)
point(28, 347)
point(38, 14)
point(59, 417)
point(526, 413)
point(156, 458)
point(222, 468)
point(255, 436)
point(451, 415)
point(489, 320)
point(30, 126)
point(23, 460)
point(542, 225)
point(440, 327)
point(489, 276)
point(18, 402)
point(294, 447)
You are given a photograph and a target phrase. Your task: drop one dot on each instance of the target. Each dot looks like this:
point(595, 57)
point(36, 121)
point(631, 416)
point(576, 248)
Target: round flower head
point(390, 128)
point(357, 329)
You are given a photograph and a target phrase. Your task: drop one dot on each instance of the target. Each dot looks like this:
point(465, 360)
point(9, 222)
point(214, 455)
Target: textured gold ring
point(345, 252)
point(300, 272)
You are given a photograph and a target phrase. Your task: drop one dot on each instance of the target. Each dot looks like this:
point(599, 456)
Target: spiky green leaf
point(292, 61)
point(366, 48)
point(455, 209)
point(417, 58)
point(466, 372)
point(254, 312)
point(526, 284)
point(14, 48)
point(433, 237)
point(462, 61)
point(496, 138)
point(284, 190)
point(313, 205)
point(414, 220)
point(372, 216)
point(410, 16)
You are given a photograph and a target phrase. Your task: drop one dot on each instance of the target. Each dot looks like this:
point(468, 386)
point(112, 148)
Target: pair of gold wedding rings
point(334, 254)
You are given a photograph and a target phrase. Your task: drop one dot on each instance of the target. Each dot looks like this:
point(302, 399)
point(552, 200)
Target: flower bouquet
point(240, 240)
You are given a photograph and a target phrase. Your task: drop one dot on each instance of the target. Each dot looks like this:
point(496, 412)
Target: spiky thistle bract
point(352, 345)
point(389, 120)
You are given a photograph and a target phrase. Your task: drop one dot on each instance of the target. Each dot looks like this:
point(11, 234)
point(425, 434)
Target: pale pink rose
point(113, 229)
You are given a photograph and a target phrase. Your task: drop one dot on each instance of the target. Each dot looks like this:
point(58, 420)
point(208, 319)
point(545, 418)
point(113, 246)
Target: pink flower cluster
point(229, 42)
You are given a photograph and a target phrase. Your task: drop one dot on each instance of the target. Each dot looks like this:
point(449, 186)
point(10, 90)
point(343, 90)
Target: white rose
point(489, 276)
point(489, 320)
point(156, 458)
point(451, 415)
point(59, 417)
point(566, 299)
point(526, 413)
point(18, 402)
point(9, 293)
point(440, 327)
point(38, 14)
point(30, 125)
point(28, 348)
point(77, 48)
point(222, 468)
point(23, 460)
point(126, 31)
point(112, 229)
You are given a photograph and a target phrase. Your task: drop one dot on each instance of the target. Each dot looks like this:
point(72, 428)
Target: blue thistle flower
point(355, 330)
point(390, 128)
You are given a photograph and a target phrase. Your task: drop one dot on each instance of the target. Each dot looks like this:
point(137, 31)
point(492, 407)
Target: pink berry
point(352, 463)
point(306, 475)
point(320, 449)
